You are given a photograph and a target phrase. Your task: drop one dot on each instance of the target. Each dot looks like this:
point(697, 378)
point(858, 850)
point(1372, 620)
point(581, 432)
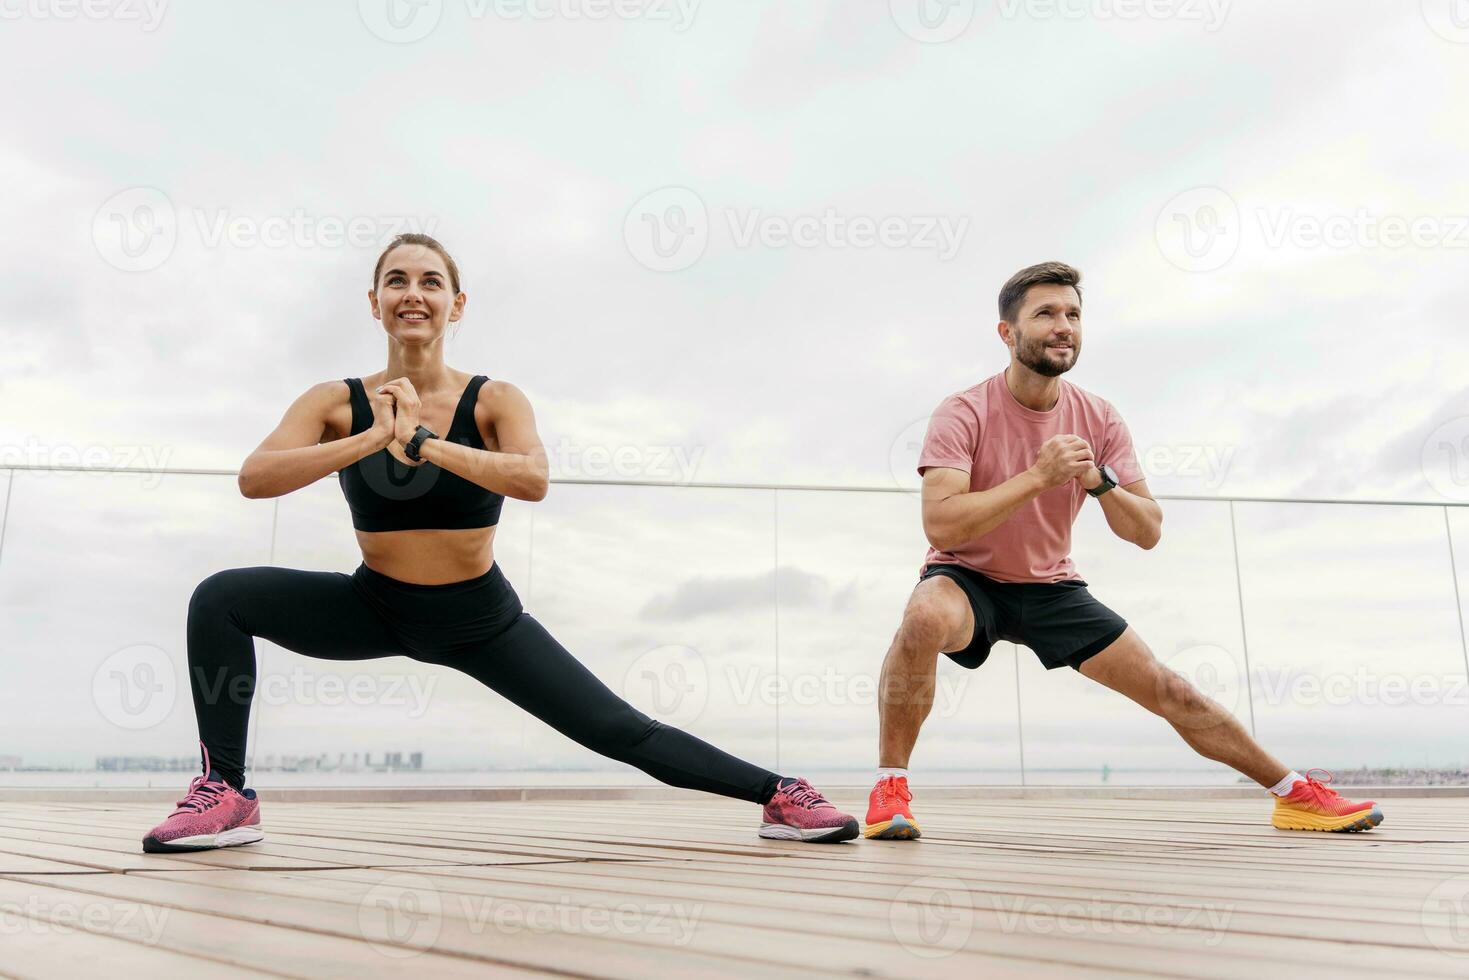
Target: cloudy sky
point(732, 242)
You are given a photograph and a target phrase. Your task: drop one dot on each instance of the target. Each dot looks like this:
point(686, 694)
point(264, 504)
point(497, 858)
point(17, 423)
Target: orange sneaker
point(888, 816)
point(1312, 805)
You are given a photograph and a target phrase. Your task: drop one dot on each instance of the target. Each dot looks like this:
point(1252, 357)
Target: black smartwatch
point(1109, 480)
point(411, 450)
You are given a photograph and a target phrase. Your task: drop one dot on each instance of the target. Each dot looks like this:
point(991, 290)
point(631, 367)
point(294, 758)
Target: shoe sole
point(898, 828)
point(204, 842)
point(819, 835)
point(1351, 823)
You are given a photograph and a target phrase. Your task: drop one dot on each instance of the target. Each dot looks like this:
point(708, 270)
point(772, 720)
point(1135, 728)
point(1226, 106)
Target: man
point(1007, 465)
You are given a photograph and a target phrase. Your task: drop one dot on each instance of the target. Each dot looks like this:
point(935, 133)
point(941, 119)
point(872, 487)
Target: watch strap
point(422, 433)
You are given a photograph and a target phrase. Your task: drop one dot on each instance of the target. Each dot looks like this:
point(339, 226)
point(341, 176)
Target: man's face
point(1046, 335)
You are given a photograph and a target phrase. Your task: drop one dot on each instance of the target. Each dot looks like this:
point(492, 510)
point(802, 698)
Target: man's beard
point(1033, 355)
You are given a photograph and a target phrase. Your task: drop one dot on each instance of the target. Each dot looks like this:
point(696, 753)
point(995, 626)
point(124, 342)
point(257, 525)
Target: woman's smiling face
point(415, 297)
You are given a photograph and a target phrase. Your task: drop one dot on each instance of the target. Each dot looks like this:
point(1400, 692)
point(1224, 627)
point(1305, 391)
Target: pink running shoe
point(798, 812)
point(212, 814)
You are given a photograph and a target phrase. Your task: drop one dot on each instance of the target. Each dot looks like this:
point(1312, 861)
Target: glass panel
point(95, 583)
point(1354, 639)
point(849, 562)
point(667, 595)
point(1181, 599)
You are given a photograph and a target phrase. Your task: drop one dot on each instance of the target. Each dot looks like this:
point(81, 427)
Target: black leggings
point(476, 626)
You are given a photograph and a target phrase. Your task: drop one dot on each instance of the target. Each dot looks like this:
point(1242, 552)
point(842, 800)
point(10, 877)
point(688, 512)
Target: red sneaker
point(888, 816)
point(1312, 805)
point(212, 814)
point(798, 812)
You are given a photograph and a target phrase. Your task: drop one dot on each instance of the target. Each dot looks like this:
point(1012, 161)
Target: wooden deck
point(684, 888)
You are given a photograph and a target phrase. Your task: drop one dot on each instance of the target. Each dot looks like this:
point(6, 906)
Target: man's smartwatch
point(411, 450)
point(1109, 480)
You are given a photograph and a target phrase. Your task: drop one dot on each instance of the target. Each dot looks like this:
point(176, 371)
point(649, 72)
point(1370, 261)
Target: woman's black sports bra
point(386, 495)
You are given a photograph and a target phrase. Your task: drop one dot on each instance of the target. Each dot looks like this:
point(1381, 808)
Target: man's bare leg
point(937, 619)
point(1129, 667)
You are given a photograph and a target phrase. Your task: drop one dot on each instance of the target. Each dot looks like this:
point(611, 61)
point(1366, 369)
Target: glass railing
point(757, 617)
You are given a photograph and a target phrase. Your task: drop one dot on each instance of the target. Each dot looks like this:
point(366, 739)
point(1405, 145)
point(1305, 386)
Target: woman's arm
point(519, 469)
point(293, 456)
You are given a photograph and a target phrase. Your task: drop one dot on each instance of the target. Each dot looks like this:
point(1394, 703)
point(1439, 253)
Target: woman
point(424, 507)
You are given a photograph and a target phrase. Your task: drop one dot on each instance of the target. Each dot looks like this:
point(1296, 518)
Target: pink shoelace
point(1319, 787)
point(202, 793)
point(802, 793)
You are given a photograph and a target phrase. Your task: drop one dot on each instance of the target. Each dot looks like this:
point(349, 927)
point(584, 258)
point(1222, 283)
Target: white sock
point(884, 773)
point(1283, 787)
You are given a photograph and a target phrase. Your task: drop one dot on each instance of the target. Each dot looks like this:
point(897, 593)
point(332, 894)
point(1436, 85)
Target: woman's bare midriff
point(429, 557)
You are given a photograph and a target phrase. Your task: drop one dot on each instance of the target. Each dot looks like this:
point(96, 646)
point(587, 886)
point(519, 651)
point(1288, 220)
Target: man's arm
point(952, 514)
point(1132, 513)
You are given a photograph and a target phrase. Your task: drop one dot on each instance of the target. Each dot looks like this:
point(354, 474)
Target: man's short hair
point(1012, 296)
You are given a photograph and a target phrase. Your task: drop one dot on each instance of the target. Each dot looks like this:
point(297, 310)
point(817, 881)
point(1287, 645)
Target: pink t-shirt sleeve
point(1118, 452)
point(952, 438)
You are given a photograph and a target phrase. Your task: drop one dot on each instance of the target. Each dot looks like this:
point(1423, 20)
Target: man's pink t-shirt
point(986, 433)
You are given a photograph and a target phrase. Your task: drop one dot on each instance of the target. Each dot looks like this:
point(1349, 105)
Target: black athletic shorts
point(1060, 621)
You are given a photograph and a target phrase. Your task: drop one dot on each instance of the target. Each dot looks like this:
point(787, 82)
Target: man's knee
point(1178, 696)
point(930, 624)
